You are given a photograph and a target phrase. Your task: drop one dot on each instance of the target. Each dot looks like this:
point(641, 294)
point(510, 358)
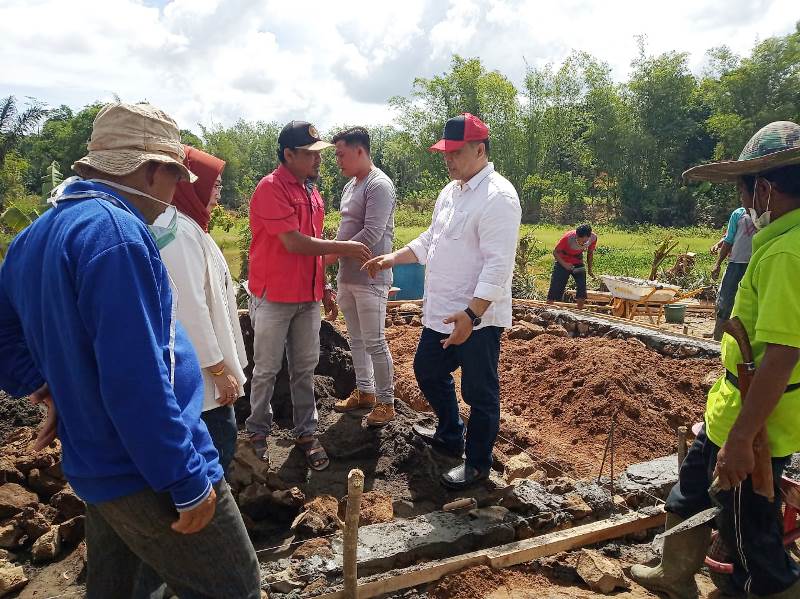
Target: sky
point(335, 61)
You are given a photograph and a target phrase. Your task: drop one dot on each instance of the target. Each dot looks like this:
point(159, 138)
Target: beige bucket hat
point(773, 146)
point(125, 136)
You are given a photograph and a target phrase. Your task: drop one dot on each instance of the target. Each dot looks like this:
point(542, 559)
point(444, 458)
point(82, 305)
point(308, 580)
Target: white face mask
point(759, 222)
point(162, 235)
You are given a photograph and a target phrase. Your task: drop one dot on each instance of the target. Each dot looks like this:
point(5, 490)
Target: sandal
point(316, 457)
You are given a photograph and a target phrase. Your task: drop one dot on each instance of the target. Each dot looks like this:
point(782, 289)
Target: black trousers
point(751, 526)
point(558, 282)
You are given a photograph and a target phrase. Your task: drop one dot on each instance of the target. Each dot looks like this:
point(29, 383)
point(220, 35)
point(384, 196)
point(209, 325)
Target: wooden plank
point(508, 555)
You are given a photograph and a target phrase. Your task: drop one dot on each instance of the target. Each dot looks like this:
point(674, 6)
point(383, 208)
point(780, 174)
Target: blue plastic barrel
point(410, 278)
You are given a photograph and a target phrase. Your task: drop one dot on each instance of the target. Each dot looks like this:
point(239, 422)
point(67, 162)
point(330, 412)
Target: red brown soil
point(376, 507)
point(559, 395)
point(403, 344)
point(523, 582)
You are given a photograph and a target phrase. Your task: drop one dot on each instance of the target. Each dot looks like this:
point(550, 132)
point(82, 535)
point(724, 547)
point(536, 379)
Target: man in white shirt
point(468, 252)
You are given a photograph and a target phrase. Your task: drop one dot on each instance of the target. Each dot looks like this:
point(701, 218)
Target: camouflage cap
point(773, 146)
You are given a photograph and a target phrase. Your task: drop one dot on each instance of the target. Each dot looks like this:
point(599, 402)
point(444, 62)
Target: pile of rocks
point(40, 515)
point(532, 321)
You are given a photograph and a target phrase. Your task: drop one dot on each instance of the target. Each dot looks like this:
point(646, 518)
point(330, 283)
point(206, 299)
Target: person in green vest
point(767, 174)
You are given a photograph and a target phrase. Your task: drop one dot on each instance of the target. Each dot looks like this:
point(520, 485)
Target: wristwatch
point(476, 320)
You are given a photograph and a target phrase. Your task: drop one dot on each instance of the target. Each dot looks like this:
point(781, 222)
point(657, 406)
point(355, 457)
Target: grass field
point(627, 252)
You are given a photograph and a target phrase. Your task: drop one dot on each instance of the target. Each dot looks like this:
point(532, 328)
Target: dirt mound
point(16, 412)
point(558, 396)
point(376, 507)
point(483, 581)
point(403, 343)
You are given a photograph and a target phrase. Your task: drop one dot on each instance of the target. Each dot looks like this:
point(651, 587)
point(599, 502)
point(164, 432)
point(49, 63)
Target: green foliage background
point(578, 145)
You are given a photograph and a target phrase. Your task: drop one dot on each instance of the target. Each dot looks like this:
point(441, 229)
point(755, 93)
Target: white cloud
point(215, 61)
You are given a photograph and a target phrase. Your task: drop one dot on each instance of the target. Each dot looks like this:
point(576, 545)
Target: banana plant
point(12, 221)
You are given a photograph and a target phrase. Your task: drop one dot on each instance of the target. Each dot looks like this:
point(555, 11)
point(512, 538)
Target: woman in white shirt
point(206, 300)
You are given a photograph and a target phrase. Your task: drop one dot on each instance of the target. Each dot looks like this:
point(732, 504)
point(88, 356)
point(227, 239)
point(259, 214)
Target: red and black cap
point(460, 130)
point(301, 135)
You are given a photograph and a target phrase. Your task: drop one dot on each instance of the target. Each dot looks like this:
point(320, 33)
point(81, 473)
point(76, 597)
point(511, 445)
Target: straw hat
point(773, 146)
point(125, 136)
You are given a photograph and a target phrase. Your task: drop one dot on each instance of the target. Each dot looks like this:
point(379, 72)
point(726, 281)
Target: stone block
point(13, 498)
point(12, 578)
point(67, 503)
point(47, 547)
point(519, 466)
point(72, 531)
point(601, 574)
point(382, 547)
point(44, 484)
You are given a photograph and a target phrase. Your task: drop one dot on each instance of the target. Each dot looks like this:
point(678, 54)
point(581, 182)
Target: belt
point(734, 380)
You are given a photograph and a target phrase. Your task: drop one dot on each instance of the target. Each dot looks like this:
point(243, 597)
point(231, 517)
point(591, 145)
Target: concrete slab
point(655, 477)
point(383, 547)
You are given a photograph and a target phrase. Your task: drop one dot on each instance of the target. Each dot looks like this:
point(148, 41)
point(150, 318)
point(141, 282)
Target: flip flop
point(316, 457)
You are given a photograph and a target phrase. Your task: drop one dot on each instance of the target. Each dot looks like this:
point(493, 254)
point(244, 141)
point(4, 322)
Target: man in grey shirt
point(368, 203)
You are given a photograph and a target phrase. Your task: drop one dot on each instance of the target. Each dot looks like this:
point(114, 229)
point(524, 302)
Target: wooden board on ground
point(510, 554)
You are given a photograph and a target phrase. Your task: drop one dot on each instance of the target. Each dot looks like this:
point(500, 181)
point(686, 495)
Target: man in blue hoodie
point(87, 317)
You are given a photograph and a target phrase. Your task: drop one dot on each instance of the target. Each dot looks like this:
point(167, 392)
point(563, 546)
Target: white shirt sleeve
point(422, 244)
point(188, 269)
point(498, 230)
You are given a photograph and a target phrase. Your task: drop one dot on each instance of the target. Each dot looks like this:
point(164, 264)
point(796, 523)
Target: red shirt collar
point(284, 174)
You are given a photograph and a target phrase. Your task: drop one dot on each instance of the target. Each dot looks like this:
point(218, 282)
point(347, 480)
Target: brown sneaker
point(381, 415)
point(357, 401)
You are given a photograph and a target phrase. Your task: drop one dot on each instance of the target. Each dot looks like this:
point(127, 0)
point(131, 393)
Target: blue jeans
point(480, 387)
point(221, 425)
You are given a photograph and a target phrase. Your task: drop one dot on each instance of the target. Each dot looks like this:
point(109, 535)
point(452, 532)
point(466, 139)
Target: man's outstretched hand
point(378, 263)
point(48, 430)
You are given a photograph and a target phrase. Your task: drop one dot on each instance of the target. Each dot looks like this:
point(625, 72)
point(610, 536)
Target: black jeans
point(751, 526)
point(559, 279)
point(130, 538)
point(221, 425)
point(480, 387)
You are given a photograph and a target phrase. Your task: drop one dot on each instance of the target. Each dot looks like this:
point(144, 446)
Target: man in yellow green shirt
point(767, 174)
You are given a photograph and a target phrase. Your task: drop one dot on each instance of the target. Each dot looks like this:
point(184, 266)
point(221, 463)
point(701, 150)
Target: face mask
point(163, 235)
point(759, 222)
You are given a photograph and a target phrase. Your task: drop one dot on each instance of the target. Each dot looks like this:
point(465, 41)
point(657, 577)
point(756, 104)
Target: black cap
point(302, 135)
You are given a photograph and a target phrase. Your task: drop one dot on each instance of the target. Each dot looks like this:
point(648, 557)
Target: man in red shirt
point(287, 283)
point(569, 262)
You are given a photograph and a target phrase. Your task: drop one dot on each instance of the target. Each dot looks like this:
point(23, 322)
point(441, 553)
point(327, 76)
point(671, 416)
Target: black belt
point(734, 380)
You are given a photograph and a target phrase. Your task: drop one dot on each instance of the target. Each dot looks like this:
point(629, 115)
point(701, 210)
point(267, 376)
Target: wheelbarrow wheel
point(719, 552)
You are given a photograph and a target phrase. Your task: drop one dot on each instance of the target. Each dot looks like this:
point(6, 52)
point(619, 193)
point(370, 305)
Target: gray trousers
point(364, 309)
point(296, 327)
point(131, 548)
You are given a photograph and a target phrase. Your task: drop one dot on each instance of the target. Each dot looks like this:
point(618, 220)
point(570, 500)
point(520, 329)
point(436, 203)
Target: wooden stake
point(508, 555)
point(355, 486)
point(681, 445)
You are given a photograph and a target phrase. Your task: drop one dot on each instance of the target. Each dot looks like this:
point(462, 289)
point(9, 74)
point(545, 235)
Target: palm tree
point(15, 124)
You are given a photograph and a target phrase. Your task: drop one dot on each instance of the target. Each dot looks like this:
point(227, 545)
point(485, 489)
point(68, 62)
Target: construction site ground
point(559, 397)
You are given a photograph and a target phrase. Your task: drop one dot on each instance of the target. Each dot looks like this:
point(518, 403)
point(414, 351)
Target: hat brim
point(124, 162)
point(447, 145)
point(315, 147)
point(730, 171)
